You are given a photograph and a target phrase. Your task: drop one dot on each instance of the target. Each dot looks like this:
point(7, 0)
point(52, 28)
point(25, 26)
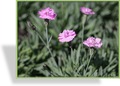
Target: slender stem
point(82, 32)
point(47, 41)
point(50, 52)
point(46, 34)
point(91, 53)
point(47, 44)
point(41, 38)
point(83, 26)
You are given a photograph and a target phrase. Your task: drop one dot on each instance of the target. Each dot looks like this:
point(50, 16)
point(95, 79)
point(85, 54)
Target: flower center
point(46, 13)
point(66, 34)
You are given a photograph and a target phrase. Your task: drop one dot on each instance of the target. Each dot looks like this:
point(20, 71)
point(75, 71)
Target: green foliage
point(34, 60)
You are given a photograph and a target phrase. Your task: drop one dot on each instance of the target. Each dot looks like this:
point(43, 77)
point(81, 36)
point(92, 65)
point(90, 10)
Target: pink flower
point(47, 13)
point(93, 42)
point(87, 11)
point(66, 36)
point(98, 43)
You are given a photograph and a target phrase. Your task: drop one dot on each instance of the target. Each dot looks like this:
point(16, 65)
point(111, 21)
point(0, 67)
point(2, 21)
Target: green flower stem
point(47, 44)
point(40, 37)
point(46, 33)
point(46, 24)
point(48, 40)
point(91, 53)
point(83, 26)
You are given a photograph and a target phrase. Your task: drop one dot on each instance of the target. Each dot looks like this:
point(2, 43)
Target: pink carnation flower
point(66, 36)
point(87, 11)
point(93, 42)
point(47, 13)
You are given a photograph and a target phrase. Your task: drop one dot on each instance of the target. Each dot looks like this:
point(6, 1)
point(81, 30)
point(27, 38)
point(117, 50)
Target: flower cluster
point(93, 42)
point(68, 35)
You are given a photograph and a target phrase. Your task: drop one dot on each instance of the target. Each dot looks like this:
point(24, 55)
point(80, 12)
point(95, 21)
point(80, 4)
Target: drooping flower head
point(87, 11)
point(47, 13)
point(93, 42)
point(66, 36)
